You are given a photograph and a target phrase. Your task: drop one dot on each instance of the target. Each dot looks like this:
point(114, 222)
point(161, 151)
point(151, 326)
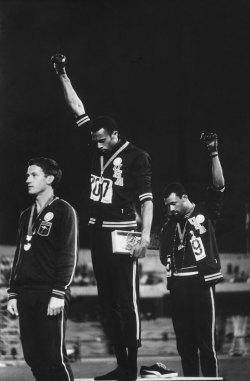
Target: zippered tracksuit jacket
point(125, 181)
point(43, 271)
point(193, 269)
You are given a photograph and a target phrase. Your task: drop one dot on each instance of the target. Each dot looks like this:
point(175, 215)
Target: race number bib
point(198, 248)
point(101, 189)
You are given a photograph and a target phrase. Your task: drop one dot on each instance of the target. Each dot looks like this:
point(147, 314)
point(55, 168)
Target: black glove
point(211, 141)
point(59, 61)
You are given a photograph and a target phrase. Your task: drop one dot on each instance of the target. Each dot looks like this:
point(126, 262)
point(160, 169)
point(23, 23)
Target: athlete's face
point(36, 180)
point(176, 206)
point(105, 142)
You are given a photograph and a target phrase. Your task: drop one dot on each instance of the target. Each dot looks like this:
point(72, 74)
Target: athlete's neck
point(43, 198)
point(116, 145)
point(189, 209)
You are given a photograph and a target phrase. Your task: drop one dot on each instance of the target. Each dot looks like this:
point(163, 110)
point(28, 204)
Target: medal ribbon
point(181, 233)
point(103, 167)
point(31, 224)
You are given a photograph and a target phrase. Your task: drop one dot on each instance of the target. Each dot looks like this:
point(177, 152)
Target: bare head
point(176, 200)
point(104, 133)
point(42, 174)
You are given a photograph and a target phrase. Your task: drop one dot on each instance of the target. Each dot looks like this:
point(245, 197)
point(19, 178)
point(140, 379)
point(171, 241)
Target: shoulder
point(24, 213)
point(200, 207)
point(63, 206)
point(138, 156)
point(199, 215)
point(205, 211)
point(137, 151)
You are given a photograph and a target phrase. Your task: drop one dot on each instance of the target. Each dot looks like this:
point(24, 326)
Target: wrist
point(145, 239)
point(214, 154)
point(60, 71)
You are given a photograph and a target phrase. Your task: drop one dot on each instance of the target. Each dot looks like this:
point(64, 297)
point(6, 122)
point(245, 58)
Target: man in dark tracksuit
point(120, 175)
point(42, 271)
point(189, 251)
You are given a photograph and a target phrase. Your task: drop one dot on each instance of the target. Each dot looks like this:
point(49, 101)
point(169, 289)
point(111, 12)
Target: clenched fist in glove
point(59, 61)
point(211, 141)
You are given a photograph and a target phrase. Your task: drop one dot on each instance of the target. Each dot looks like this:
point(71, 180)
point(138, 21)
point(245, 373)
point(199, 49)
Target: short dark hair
point(106, 122)
point(176, 188)
point(50, 168)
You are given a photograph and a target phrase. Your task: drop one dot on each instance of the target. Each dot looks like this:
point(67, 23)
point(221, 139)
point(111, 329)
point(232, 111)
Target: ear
point(185, 197)
point(50, 179)
point(115, 133)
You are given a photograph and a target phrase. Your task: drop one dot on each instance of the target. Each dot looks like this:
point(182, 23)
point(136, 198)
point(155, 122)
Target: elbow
point(219, 183)
point(77, 108)
point(147, 206)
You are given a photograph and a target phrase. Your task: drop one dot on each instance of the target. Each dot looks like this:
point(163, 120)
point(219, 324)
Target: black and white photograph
point(124, 190)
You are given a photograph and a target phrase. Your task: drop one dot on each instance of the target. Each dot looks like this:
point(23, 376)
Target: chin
point(175, 217)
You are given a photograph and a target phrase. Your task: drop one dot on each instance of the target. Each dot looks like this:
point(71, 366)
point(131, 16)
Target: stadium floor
point(231, 368)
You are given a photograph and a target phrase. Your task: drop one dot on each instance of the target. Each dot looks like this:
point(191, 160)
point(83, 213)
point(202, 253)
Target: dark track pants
point(118, 289)
point(193, 313)
point(42, 336)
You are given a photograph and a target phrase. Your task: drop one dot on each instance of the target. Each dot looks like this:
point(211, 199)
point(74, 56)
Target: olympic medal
point(27, 246)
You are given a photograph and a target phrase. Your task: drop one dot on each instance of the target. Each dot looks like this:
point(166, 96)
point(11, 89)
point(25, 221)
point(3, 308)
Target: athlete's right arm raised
point(71, 97)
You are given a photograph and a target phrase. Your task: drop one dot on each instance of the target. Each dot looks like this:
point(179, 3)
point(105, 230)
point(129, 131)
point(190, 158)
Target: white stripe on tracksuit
point(61, 346)
point(75, 246)
point(135, 302)
point(73, 271)
point(213, 329)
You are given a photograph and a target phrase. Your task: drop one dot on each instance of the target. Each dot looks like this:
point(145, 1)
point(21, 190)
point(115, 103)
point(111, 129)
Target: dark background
point(166, 70)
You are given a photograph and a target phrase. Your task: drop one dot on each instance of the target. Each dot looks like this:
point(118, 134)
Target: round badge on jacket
point(117, 161)
point(200, 218)
point(48, 216)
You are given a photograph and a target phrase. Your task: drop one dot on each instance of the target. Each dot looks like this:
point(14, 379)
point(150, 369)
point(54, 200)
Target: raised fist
point(59, 61)
point(211, 141)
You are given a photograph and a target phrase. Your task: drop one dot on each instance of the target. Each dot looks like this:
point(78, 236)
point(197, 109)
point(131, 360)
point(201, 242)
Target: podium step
point(167, 378)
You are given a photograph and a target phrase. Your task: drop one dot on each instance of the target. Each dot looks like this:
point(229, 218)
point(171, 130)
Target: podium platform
point(230, 369)
point(167, 378)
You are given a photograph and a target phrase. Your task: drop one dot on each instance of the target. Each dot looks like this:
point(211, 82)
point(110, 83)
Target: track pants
point(42, 336)
point(118, 289)
point(193, 313)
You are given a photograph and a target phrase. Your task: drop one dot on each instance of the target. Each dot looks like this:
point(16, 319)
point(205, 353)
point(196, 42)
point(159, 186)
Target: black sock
point(121, 355)
point(132, 358)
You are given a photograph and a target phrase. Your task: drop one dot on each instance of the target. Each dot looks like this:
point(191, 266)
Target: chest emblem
point(197, 221)
point(117, 164)
point(44, 228)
